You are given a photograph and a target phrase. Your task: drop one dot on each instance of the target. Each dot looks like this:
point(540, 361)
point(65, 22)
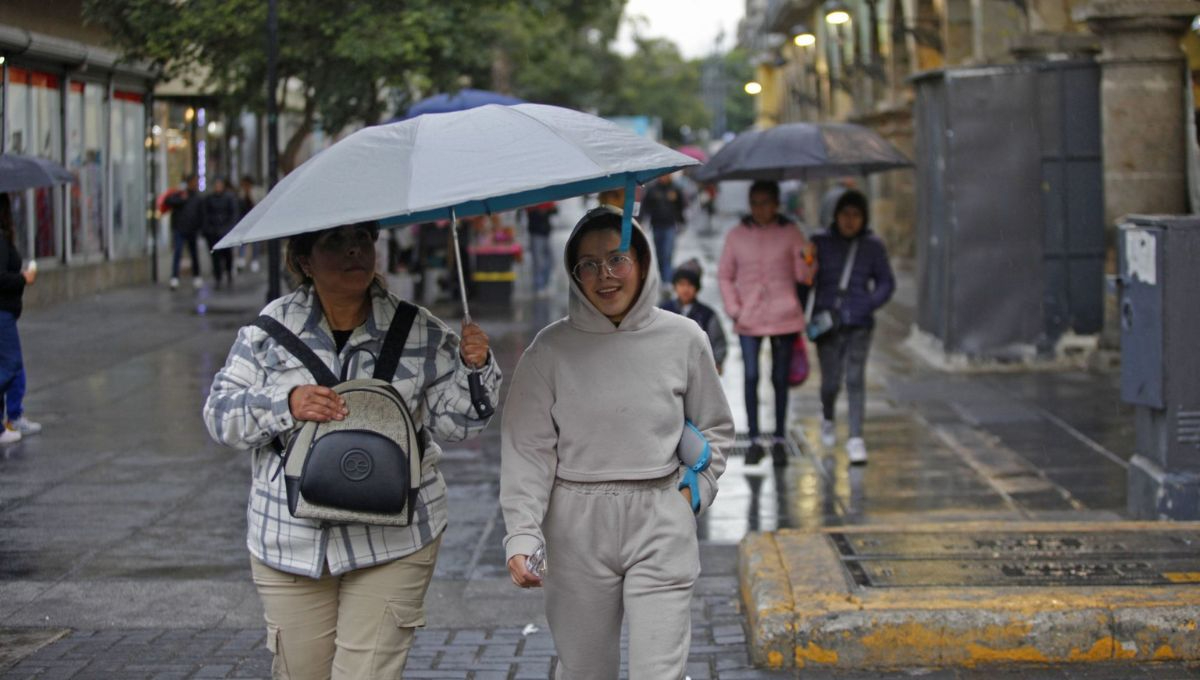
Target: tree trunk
point(287, 158)
point(502, 70)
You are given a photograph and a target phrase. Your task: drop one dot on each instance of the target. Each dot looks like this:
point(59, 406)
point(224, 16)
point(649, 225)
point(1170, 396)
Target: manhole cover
point(1020, 558)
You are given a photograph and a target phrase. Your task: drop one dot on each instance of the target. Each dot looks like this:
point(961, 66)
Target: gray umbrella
point(18, 173)
point(803, 151)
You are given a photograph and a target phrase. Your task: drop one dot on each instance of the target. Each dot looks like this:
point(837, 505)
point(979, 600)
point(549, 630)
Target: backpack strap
point(393, 342)
point(296, 347)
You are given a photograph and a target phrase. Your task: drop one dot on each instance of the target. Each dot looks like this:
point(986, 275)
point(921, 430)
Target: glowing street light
point(836, 13)
point(805, 40)
point(838, 17)
point(753, 87)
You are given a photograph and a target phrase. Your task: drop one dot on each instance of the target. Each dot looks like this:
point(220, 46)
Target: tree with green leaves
point(350, 61)
point(657, 81)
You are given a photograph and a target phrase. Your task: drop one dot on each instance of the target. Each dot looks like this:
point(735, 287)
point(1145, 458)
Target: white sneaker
point(197, 283)
point(8, 436)
point(856, 450)
point(828, 433)
point(25, 426)
point(174, 282)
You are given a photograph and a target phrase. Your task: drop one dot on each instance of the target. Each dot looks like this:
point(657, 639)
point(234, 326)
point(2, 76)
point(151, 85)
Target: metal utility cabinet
point(1160, 362)
point(1010, 202)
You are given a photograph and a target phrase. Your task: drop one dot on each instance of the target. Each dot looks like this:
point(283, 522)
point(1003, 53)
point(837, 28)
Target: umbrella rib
point(411, 164)
point(558, 134)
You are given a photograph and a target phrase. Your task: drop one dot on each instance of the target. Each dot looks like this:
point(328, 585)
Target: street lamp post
point(274, 257)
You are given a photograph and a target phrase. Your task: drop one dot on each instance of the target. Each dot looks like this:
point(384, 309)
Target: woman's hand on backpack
point(474, 346)
point(518, 569)
point(317, 403)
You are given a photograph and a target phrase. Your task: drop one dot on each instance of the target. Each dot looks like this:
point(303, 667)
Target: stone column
point(1143, 76)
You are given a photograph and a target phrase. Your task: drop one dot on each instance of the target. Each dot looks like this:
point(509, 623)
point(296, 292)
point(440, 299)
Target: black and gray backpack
point(365, 469)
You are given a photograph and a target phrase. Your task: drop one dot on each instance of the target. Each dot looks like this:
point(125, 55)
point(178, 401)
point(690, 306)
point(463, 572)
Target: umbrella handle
point(479, 398)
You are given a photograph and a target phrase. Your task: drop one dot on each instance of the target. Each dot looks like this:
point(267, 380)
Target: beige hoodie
point(594, 402)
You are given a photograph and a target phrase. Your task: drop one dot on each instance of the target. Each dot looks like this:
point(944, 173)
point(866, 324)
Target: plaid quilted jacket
point(247, 407)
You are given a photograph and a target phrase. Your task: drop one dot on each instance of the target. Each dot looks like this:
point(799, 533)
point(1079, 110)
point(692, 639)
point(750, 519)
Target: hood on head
point(582, 313)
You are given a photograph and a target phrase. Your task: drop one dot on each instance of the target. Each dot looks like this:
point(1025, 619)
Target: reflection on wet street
point(943, 446)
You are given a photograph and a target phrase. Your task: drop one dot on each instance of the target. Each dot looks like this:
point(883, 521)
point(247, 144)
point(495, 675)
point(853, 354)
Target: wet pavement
point(122, 525)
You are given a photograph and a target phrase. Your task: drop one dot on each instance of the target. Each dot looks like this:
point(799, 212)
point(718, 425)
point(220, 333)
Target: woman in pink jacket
point(764, 258)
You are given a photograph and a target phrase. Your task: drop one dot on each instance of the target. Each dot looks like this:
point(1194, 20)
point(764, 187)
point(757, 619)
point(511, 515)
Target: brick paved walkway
point(718, 651)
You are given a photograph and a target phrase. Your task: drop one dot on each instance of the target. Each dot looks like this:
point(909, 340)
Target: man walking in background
point(664, 204)
point(186, 206)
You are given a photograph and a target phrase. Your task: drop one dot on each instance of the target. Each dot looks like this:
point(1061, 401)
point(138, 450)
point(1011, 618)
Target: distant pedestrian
point(13, 281)
point(848, 251)
point(589, 467)
point(686, 282)
point(342, 600)
point(664, 204)
point(245, 195)
point(830, 198)
point(764, 257)
point(221, 212)
point(538, 220)
point(187, 219)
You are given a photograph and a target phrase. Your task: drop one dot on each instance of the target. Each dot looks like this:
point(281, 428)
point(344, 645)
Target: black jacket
point(664, 205)
point(221, 212)
point(187, 212)
point(12, 281)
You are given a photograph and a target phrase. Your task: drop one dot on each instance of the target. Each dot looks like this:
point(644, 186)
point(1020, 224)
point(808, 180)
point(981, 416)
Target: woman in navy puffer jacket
point(843, 351)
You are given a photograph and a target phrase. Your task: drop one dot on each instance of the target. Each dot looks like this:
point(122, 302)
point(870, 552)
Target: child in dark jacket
point(686, 282)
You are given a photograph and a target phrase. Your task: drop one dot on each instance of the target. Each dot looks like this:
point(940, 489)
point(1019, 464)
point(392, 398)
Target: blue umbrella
point(460, 101)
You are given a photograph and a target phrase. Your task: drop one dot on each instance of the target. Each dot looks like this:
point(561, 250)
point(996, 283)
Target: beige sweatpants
point(618, 549)
point(355, 626)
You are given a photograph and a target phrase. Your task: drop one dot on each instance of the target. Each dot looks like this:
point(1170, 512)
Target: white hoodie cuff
point(521, 544)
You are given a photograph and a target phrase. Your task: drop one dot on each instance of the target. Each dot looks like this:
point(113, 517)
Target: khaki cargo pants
point(356, 626)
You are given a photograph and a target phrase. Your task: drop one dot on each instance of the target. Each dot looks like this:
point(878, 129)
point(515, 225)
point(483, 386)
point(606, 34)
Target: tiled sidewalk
point(718, 651)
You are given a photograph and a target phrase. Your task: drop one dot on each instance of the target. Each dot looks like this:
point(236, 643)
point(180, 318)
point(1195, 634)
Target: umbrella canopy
point(485, 160)
point(803, 151)
point(460, 101)
point(18, 173)
point(693, 151)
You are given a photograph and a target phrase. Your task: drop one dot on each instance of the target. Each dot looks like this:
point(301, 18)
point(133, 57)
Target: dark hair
point(605, 219)
point(766, 186)
point(6, 219)
point(686, 274)
point(855, 199)
point(301, 245)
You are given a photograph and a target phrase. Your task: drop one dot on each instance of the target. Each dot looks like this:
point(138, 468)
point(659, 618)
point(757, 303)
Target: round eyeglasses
point(617, 266)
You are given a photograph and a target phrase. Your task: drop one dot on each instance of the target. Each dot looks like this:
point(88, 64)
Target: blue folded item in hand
point(696, 453)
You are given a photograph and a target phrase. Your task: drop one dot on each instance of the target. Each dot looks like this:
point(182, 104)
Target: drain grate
point(1020, 558)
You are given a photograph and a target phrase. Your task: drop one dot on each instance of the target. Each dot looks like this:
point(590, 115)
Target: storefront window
point(85, 144)
point(17, 113)
point(129, 174)
point(45, 140)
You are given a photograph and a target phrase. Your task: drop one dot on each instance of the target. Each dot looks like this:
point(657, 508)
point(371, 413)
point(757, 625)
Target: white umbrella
point(445, 166)
point(440, 166)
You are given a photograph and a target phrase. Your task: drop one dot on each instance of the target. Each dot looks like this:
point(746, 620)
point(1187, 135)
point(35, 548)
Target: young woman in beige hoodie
point(589, 468)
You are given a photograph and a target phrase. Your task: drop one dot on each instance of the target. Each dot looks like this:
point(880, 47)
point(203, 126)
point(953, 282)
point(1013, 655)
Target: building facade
point(66, 98)
point(853, 60)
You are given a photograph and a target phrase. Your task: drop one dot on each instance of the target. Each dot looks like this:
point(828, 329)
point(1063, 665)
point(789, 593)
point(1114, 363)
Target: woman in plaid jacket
point(342, 600)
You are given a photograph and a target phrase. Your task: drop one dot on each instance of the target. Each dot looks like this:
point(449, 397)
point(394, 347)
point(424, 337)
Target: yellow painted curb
point(834, 623)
